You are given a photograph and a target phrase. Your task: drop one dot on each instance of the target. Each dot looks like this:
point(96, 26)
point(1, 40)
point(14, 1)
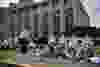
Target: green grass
point(97, 51)
point(8, 56)
point(55, 65)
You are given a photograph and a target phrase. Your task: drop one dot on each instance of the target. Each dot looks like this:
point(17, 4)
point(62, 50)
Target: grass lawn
point(8, 56)
point(97, 51)
point(55, 65)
